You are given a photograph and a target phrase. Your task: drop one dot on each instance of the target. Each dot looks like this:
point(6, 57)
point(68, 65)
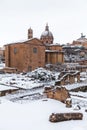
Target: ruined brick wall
point(60, 94)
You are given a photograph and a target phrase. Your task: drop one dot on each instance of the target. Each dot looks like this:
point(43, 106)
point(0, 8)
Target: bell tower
point(30, 33)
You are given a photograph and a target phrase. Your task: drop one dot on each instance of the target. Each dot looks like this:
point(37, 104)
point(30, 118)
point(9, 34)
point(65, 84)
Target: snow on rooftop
point(52, 51)
point(53, 44)
point(21, 41)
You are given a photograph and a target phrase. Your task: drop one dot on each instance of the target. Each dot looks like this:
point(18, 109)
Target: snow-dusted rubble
point(28, 109)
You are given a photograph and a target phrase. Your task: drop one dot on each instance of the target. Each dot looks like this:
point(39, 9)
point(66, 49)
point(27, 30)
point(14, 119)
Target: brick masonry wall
point(60, 94)
point(21, 55)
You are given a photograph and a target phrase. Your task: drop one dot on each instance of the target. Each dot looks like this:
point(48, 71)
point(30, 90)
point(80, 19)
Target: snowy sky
point(66, 19)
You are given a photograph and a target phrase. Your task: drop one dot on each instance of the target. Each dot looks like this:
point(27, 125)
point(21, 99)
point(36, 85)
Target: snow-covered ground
point(33, 79)
point(35, 116)
point(29, 114)
point(2, 65)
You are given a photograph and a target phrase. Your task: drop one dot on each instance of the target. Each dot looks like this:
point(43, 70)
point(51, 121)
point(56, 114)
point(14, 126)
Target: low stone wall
point(9, 91)
point(68, 78)
point(82, 68)
point(82, 88)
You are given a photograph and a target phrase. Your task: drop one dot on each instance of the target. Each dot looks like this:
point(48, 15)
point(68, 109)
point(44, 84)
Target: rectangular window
point(34, 50)
point(15, 50)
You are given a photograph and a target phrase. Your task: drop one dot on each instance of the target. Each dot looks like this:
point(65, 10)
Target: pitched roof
point(23, 41)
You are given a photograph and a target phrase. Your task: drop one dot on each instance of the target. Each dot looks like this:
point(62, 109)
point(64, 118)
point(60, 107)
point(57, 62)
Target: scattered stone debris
point(77, 107)
point(85, 110)
point(43, 75)
point(44, 100)
point(68, 102)
point(65, 117)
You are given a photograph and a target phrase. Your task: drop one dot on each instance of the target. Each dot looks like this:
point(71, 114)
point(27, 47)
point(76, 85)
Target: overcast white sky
point(67, 19)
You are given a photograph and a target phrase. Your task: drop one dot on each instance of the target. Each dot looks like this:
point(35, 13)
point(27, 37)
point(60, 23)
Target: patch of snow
point(35, 116)
point(2, 65)
point(3, 87)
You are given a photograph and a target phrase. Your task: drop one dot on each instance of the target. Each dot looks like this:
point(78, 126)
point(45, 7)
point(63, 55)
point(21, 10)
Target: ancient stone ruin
point(65, 117)
point(68, 102)
point(68, 78)
point(58, 93)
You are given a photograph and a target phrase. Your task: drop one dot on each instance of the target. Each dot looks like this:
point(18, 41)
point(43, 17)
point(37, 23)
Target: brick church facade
point(34, 52)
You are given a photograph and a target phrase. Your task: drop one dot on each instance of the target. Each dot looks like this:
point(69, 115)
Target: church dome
point(46, 33)
point(47, 36)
